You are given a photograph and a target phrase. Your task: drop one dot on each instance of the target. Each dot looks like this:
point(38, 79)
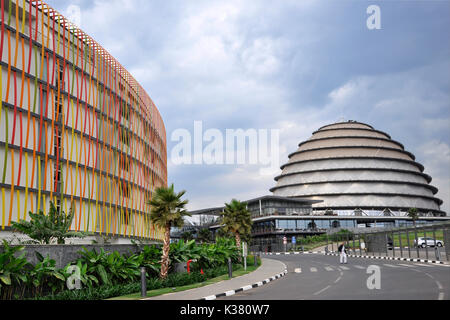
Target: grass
point(310, 246)
point(396, 239)
point(157, 292)
point(439, 236)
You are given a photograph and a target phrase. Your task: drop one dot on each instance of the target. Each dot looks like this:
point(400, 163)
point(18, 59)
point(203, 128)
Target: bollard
point(143, 282)
point(438, 254)
point(230, 269)
point(255, 258)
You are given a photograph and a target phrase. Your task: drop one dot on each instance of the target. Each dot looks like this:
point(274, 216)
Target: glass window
point(311, 224)
point(291, 224)
point(301, 224)
point(347, 224)
point(282, 224)
point(323, 224)
point(335, 224)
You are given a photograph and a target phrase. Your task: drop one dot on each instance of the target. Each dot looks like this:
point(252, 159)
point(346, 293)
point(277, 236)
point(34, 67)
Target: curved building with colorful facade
point(75, 128)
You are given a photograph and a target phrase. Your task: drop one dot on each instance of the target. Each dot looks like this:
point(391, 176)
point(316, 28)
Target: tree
point(47, 228)
point(187, 236)
point(237, 220)
point(414, 215)
point(167, 210)
point(204, 235)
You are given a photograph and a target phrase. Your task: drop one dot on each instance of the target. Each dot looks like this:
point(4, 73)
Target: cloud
point(436, 156)
point(289, 65)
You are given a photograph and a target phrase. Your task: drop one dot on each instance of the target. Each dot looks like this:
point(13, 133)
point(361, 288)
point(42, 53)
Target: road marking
point(319, 292)
point(391, 265)
point(329, 269)
point(298, 270)
point(422, 265)
point(406, 265)
point(359, 267)
point(313, 269)
point(344, 268)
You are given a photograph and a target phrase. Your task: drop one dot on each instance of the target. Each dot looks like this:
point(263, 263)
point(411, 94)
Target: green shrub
point(48, 228)
point(110, 291)
point(13, 272)
point(251, 260)
point(103, 274)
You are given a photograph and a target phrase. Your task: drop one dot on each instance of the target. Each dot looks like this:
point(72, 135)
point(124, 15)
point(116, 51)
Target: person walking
point(342, 254)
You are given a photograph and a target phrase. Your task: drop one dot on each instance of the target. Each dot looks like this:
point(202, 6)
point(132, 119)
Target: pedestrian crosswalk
point(355, 267)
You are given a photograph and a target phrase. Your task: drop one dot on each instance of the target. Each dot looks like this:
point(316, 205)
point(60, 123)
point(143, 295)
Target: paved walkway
point(269, 268)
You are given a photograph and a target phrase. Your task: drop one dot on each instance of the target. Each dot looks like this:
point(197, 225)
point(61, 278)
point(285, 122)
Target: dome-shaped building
point(355, 169)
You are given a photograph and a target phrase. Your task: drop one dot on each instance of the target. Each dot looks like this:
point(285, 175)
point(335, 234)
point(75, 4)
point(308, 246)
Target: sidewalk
point(268, 271)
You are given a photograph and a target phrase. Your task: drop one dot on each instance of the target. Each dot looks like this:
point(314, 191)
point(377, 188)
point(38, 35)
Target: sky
point(291, 66)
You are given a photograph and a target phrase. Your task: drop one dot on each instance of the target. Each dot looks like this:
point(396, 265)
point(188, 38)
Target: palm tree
point(167, 210)
point(187, 236)
point(237, 220)
point(204, 235)
point(414, 215)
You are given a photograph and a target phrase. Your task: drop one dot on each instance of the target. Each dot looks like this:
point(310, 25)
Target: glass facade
point(268, 207)
point(309, 224)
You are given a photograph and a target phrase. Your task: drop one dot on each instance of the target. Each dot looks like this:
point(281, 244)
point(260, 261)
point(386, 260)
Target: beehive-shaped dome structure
point(354, 168)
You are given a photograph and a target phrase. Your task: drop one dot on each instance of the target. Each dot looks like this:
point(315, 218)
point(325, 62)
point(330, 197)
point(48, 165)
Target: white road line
point(319, 292)
point(298, 270)
point(344, 268)
point(359, 267)
point(391, 265)
point(423, 265)
point(406, 265)
point(313, 269)
point(329, 269)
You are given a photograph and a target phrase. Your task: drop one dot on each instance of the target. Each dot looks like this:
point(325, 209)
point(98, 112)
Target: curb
point(358, 256)
point(245, 288)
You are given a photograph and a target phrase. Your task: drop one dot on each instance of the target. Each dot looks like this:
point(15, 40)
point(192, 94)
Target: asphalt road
point(320, 277)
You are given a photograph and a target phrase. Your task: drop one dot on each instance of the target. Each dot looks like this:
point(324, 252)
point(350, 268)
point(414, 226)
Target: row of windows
point(314, 224)
point(281, 211)
point(311, 224)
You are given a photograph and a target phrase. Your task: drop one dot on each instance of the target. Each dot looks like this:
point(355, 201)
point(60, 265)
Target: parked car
point(427, 242)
